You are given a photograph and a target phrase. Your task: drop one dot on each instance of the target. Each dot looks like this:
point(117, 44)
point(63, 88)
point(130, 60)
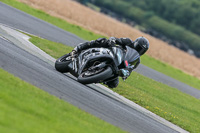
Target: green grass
point(88, 35)
point(54, 49)
point(25, 108)
point(167, 102)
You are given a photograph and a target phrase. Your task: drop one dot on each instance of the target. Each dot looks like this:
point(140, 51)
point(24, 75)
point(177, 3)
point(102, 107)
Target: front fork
point(73, 67)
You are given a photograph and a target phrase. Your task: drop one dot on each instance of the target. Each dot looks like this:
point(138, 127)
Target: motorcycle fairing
point(94, 54)
point(132, 56)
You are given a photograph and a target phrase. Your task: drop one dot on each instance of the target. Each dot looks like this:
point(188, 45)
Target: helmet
point(141, 45)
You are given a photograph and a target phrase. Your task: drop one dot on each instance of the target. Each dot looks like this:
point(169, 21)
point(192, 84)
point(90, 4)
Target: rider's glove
point(124, 73)
point(111, 41)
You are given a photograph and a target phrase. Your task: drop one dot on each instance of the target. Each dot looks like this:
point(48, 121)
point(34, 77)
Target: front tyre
point(95, 78)
point(62, 63)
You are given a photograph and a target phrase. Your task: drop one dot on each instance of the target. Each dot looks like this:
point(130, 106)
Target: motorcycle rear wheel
point(62, 63)
point(101, 76)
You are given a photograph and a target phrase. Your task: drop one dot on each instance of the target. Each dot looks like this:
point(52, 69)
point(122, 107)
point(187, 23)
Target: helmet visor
point(140, 49)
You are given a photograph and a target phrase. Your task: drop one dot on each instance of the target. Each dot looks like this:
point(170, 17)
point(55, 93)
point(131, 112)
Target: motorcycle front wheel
point(89, 77)
point(62, 63)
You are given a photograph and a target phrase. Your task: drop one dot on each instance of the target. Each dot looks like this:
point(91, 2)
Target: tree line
point(182, 12)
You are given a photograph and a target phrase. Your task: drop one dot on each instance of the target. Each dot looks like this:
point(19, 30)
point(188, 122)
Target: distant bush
point(181, 12)
point(174, 31)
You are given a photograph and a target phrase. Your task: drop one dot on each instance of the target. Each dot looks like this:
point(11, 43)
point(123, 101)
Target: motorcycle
point(93, 65)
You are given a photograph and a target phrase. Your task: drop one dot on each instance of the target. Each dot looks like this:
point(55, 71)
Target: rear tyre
point(103, 75)
point(62, 63)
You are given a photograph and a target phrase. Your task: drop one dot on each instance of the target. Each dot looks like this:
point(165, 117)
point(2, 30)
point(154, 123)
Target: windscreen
point(131, 54)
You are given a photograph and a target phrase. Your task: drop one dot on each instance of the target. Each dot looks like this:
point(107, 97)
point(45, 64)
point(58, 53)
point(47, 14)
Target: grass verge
point(54, 49)
point(88, 35)
point(26, 109)
point(167, 102)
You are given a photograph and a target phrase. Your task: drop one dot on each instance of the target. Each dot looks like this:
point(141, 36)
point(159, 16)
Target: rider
point(133, 49)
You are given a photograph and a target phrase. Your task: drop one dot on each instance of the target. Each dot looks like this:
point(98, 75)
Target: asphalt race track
point(41, 74)
point(20, 20)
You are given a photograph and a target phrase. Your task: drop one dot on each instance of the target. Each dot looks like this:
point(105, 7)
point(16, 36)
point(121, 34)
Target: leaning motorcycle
point(94, 65)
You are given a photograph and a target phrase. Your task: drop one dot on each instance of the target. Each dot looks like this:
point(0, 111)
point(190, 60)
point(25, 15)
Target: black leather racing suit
point(132, 59)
